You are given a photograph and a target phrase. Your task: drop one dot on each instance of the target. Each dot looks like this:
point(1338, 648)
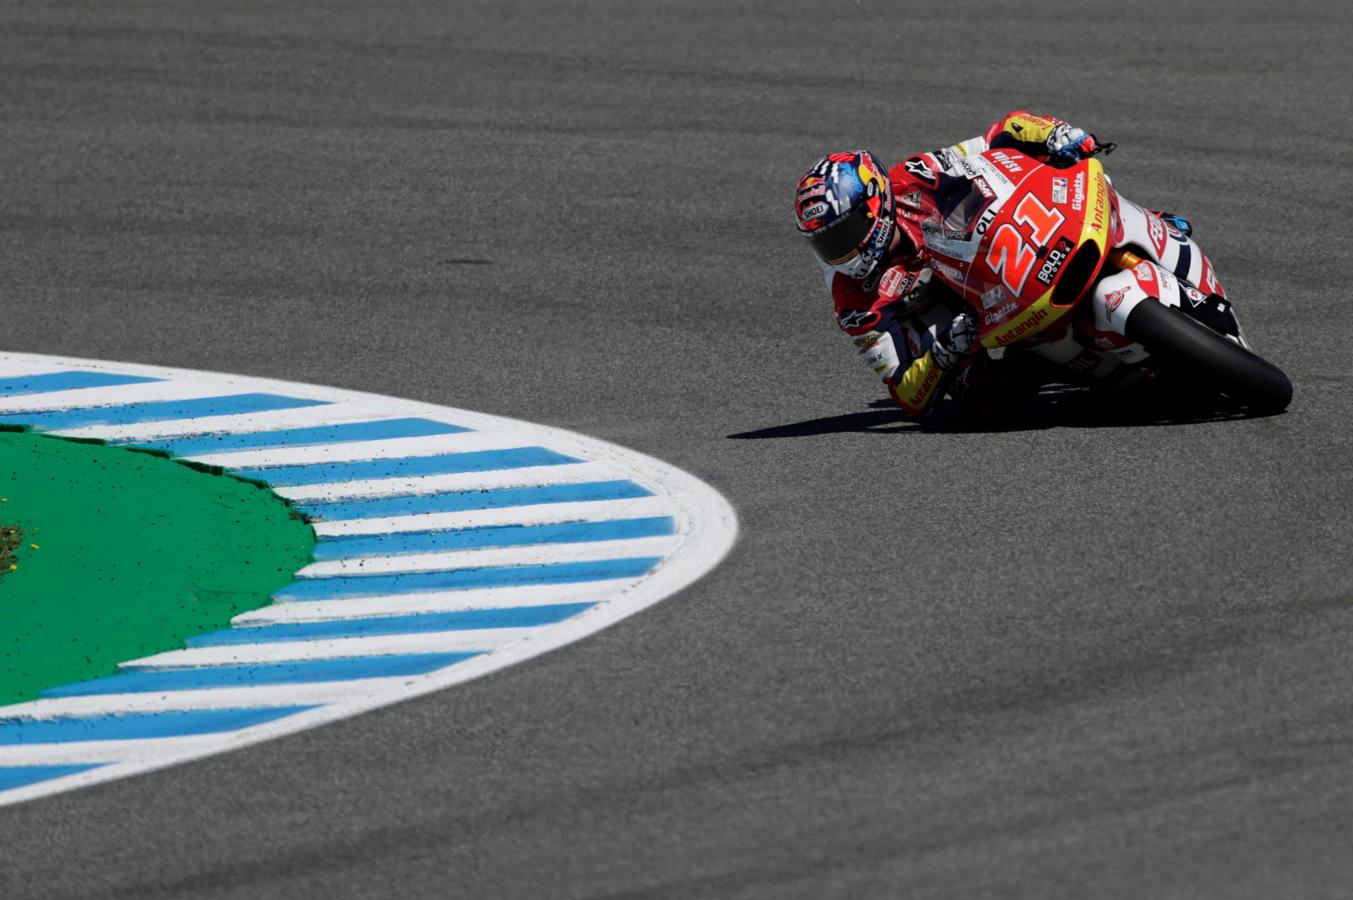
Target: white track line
point(241, 423)
point(540, 514)
point(437, 601)
point(705, 523)
point(355, 451)
point(530, 476)
point(534, 554)
point(205, 698)
point(465, 640)
point(112, 395)
point(128, 756)
point(13, 368)
point(635, 509)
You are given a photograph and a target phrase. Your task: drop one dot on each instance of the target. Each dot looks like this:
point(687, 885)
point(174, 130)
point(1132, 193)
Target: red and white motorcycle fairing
point(1030, 245)
point(1095, 351)
point(1166, 252)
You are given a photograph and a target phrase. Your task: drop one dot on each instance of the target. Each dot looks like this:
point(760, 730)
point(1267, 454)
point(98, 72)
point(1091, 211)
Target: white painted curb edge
point(709, 530)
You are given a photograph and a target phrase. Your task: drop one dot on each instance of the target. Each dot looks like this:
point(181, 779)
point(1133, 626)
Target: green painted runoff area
point(125, 554)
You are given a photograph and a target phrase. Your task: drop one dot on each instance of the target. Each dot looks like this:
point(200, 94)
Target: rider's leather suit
point(896, 316)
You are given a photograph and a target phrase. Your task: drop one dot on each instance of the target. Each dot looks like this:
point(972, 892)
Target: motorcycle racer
point(868, 230)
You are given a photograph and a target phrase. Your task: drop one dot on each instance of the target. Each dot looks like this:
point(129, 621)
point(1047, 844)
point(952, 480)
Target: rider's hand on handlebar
point(1068, 144)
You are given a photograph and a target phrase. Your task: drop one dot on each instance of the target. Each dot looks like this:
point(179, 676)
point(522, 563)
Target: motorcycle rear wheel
point(1187, 348)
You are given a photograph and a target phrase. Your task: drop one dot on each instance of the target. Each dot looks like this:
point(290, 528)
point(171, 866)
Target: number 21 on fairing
point(1009, 255)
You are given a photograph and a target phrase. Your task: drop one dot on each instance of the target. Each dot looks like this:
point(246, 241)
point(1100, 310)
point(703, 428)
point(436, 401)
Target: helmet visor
point(845, 237)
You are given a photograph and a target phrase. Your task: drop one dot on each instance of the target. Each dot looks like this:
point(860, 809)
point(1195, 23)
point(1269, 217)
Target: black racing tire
point(1188, 349)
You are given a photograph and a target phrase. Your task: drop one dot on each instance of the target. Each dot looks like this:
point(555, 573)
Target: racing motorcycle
point(1056, 263)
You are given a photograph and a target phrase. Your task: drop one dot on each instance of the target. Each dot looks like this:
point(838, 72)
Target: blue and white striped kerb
point(451, 544)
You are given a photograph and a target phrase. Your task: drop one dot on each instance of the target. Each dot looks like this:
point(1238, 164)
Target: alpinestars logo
point(919, 168)
point(856, 318)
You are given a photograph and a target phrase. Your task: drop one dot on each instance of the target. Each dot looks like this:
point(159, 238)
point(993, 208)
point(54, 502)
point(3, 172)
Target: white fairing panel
point(1113, 299)
point(1165, 245)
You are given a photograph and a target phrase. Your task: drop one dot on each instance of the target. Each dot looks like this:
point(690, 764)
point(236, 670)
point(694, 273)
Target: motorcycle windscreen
point(962, 208)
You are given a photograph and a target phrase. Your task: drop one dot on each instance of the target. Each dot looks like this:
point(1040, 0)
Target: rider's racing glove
point(1068, 144)
point(960, 341)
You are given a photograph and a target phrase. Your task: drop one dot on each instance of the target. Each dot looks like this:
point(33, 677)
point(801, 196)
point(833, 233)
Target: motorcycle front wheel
point(1189, 349)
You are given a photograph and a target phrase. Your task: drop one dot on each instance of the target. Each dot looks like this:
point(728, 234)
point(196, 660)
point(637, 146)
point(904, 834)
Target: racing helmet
point(845, 209)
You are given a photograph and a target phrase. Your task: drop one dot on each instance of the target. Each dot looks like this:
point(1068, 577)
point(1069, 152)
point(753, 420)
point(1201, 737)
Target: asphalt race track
point(1100, 655)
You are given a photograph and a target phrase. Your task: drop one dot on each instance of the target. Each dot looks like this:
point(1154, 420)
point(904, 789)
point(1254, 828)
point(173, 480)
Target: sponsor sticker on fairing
point(984, 223)
point(1209, 279)
point(1112, 300)
point(1078, 192)
point(1169, 286)
point(1097, 220)
point(1059, 191)
point(969, 168)
point(954, 244)
point(997, 314)
point(1023, 328)
point(1155, 229)
point(993, 297)
point(1007, 162)
point(1084, 363)
point(1053, 264)
point(947, 270)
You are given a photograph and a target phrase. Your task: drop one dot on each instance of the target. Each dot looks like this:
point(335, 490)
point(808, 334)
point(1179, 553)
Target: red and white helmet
point(845, 209)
